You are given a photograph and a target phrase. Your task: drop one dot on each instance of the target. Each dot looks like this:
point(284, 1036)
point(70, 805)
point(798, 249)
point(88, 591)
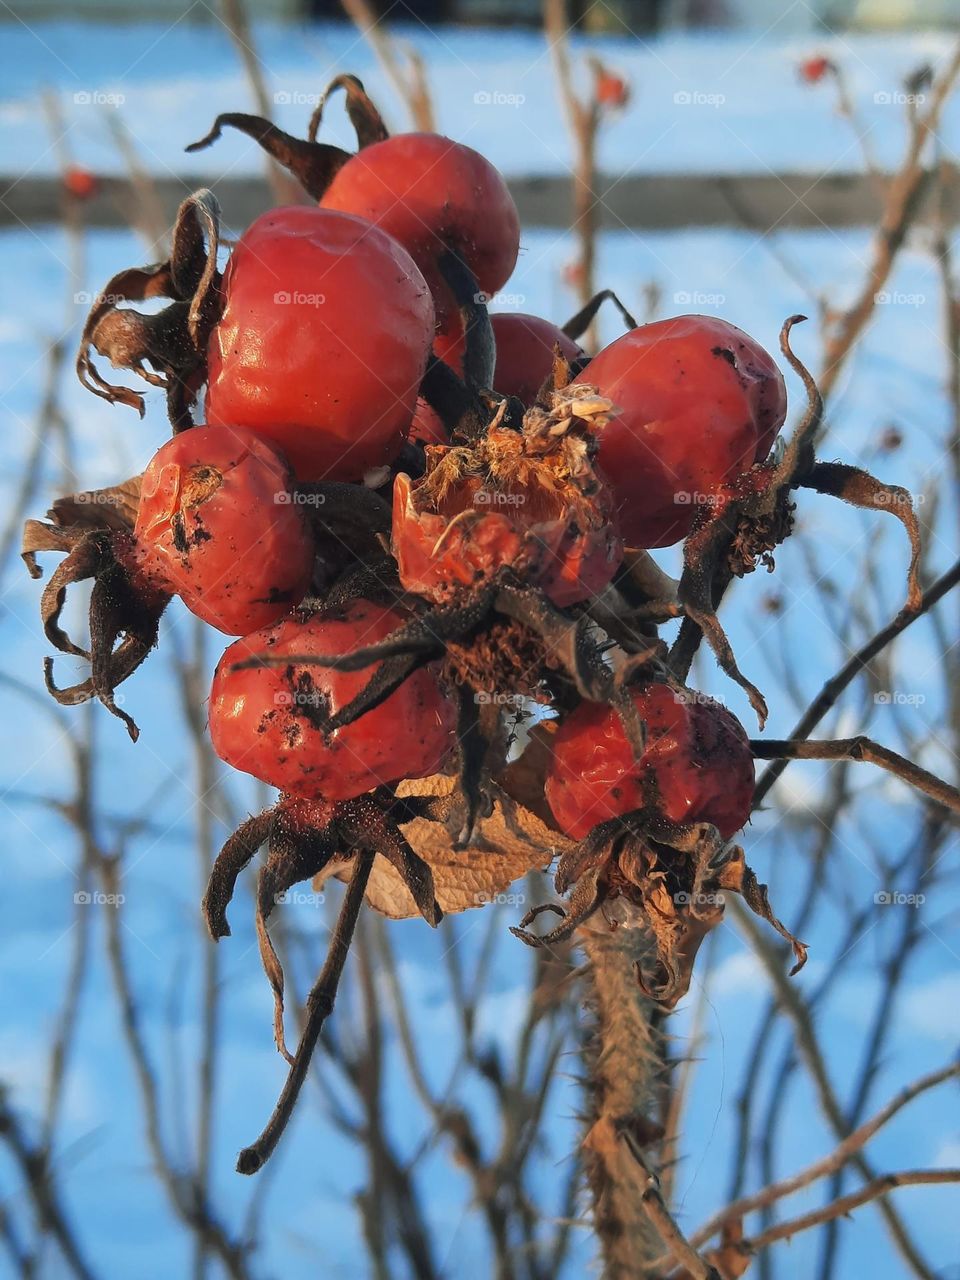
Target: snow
point(702, 102)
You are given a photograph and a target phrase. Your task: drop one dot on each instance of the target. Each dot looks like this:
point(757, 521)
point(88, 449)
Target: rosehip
point(525, 353)
point(698, 402)
point(80, 183)
point(268, 721)
point(322, 343)
point(697, 765)
point(812, 70)
point(433, 194)
point(218, 527)
point(452, 532)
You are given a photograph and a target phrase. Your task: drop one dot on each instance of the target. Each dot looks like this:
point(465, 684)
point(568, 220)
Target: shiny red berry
point(525, 353)
point(219, 526)
point(268, 721)
point(323, 341)
point(697, 766)
point(697, 401)
point(433, 194)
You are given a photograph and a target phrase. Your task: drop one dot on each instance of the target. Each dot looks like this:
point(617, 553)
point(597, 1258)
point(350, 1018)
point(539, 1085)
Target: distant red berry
point(611, 90)
point(267, 721)
point(81, 183)
point(220, 529)
point(813, 70)
point(697, 765)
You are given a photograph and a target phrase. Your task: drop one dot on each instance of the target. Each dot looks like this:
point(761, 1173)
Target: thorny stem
point(625, 1068)
point(319, 1006)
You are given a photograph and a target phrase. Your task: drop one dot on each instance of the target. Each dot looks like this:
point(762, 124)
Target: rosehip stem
point(864, 749)
point(578, 325)
point(319, 1006)
point(313, 164)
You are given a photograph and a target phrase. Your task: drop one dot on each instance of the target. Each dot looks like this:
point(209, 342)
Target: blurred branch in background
point(400, 60)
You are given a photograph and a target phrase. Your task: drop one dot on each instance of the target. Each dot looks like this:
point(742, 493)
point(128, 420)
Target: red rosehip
point(80, 183)
point(218, 526)
point(813, 70)
point(525, 353)
point(524, 360)
point(611, 90)
point(698, 402)
point(433, 194)
point(454, 535)
point(697, 766)
point(323, 341)
point(267, 721)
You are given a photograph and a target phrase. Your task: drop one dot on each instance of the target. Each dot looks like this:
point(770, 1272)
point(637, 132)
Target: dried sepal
point(312, 163)
point(303, 839)
point(861, 489)
point(668, 878)
point(93, 529)
point(167, 349)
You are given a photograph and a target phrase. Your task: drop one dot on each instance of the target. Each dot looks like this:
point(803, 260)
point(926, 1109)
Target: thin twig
point(319, 1005)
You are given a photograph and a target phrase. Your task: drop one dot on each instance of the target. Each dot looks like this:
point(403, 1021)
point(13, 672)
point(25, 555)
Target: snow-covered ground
point(173, 84)
point(701, 102)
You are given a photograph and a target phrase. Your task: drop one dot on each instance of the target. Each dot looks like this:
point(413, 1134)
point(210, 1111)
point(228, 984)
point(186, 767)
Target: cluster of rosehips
point(400, 504)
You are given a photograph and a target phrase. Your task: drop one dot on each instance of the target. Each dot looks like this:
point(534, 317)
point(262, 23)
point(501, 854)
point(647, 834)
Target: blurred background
point(732, 157)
